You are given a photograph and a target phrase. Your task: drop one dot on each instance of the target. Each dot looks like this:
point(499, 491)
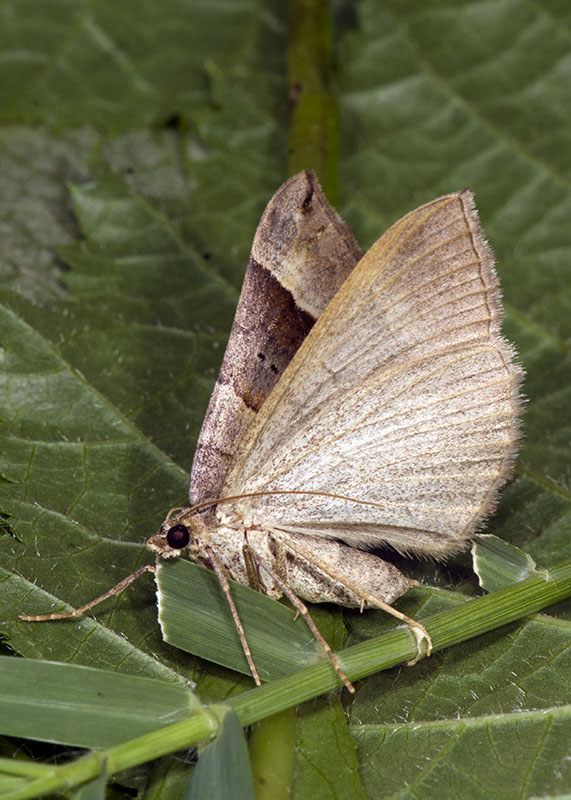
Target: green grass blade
point(194, 616)
point(93, 790)
point(83, 706)
point(223, 771)
point(498, 563)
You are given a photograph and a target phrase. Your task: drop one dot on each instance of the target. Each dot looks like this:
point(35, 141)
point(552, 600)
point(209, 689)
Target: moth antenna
point(174, 511)
point(116, 590)
point(301, 609)
point(216, 501)
point(225, 586)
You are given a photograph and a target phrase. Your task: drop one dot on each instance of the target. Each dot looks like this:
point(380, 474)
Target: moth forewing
point(301, 254)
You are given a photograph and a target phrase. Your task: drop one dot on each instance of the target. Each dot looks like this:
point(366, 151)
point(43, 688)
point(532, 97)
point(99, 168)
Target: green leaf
point(194, 615)
point(326, 755)
point(94, 790)
point(139, 50)
point(223, 769)
point(498, 563)
point(474, 758)
point(85, 707)
point(107, 368)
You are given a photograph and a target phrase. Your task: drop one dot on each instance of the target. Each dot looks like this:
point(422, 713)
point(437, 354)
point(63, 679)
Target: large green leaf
point(171, 122)
point(119, 65)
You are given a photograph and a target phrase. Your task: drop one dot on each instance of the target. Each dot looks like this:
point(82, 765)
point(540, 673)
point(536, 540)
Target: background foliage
point(172, 123)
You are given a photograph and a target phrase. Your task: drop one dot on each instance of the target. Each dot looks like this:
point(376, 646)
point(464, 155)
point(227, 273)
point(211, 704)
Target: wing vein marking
point(464, 445)
point(413, 322)
point(399, 227)
point(368, 420)
point(430, 251)
point(318, 446)
point(409, 322)
point(371, 378)
point(326, 408)
point(417, 289)
point(400, 434)
point(502, 424)
point(388, 372)
point(463, 455)
point(384, 287)
point(486, 259)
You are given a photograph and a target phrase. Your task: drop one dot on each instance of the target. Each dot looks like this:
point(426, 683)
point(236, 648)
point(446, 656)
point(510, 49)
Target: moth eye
point(178, 537)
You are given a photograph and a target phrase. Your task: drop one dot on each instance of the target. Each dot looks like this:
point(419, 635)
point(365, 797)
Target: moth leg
point(280, 557)
point(280, 562)
point(301, 608)
point(251, 571)
point(423, 640)
point(121, 586)
point(421, 635)
point(223, 581)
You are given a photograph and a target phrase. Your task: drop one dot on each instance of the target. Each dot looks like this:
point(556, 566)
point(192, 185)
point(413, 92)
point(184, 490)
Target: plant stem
point(315, 119)
point(272, 746)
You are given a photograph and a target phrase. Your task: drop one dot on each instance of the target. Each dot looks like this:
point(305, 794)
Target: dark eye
point(178, 537)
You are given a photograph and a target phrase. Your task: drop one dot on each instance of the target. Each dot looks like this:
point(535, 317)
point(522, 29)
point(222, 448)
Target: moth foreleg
point(223, 581)
point(120, 587)
point(301, 608)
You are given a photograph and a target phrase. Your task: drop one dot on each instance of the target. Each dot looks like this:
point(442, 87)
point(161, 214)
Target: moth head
point(180, 530)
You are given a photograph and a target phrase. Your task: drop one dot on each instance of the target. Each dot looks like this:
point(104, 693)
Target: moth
point(362, 401)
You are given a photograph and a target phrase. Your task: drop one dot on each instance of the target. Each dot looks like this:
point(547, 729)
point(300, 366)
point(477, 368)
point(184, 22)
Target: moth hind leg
point(301, 610)
point(421, 635)
point(356, 578)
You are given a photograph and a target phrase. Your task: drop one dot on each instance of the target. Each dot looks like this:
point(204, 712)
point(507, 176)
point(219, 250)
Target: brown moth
point(393, 419)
